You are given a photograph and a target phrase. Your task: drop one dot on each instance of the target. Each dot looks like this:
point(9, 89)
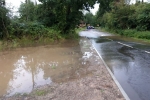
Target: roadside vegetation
point(37, 23)
point(131, 20)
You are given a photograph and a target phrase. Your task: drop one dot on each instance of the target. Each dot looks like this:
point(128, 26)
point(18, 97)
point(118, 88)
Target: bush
point(4, 22)
point(143, 35)
point(128, 17)
point(128, 20)
point(33, 30)
point(129, 32)
point(119, 18)
point(143, 17)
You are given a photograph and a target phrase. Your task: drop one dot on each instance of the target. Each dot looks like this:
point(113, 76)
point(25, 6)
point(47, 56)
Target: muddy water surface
point(24, 69)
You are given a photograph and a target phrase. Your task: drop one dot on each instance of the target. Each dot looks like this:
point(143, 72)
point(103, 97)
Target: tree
point(46, 15)
point(67, 12)
point(27, 11)
point(104, 6)
point(89, 18)
point(4, 20)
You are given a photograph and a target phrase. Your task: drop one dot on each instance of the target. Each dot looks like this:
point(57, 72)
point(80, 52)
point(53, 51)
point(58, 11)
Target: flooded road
point(23, 69)
point(129, 61)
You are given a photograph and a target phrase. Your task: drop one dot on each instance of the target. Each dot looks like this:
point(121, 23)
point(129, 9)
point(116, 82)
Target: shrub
point(129, 32)
point(143, 17)
point(143, 35)
point(128, 17)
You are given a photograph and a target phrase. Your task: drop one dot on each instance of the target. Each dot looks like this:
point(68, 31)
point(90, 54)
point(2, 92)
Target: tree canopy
point(27, 11)
point(67, 13)
point(4, 20)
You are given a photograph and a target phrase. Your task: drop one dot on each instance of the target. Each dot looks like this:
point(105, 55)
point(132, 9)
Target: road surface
point(128, 59)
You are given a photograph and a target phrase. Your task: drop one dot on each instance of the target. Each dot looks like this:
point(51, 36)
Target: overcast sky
point(96, 6)
point(16, 3)
point(133, 1)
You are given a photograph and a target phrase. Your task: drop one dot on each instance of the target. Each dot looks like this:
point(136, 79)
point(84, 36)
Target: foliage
point(64, 15)
point(77, 30)
point(128, 20)
point(67, 13)
point(4, 20)
point(119, 17)
point(144, 35)
point(27, 11)
point(124, 16)
point(136, 34)
point(142, 13)
point(29, 34)
point(32, 30)
point(89, 18)
point(104, 7)
point(45, 15)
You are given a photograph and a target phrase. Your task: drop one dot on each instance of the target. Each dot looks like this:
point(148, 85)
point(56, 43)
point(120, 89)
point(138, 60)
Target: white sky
point(16, 3)
point(93, 11)
point(133, 1)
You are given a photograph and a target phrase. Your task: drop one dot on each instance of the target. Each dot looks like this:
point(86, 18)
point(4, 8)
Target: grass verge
point(133, 33)
point(50, 37)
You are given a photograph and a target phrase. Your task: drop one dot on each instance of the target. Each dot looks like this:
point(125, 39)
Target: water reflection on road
point(129, 62)
point(128, 59)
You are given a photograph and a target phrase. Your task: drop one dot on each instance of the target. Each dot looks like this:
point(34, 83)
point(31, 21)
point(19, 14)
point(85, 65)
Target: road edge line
point(125, 45)
point(115, 80)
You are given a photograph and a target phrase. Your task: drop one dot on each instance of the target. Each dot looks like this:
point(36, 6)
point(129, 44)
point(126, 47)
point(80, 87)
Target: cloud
point(96, 7)
point(15, 4)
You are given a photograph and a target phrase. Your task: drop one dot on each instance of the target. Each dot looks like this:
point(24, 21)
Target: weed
point(77, 30)
point(40, 92)
point(53, 67)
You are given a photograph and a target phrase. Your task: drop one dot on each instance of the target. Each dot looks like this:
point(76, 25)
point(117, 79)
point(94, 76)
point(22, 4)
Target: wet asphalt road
point(128, 59)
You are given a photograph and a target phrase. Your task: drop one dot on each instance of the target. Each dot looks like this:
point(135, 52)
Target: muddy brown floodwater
point(68, 71)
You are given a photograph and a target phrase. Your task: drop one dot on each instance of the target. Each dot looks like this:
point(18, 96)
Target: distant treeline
point(126, 19)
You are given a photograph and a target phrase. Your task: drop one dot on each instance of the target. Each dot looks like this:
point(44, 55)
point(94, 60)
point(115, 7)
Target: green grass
point(141, 35)
point(77, 30)
point(53, 67)
point(51, 36)
point(35, 36)
point(40, 92)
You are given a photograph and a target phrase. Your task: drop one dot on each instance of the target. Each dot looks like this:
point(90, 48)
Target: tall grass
point(144, 35)
point(32, 34)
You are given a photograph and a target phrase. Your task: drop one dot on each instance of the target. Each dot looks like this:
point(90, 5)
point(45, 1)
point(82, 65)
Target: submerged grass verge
point(51, 36)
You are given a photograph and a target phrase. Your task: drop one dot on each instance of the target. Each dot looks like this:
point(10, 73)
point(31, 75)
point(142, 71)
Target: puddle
point(24, 69)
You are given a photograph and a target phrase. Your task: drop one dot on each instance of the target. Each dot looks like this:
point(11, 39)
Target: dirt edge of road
point(99, 85)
